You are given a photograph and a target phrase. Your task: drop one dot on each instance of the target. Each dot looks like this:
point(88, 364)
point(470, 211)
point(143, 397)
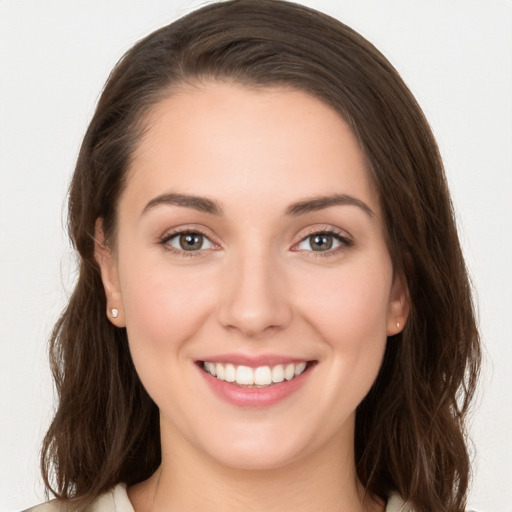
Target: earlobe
point(109, 275)
point(399, 306)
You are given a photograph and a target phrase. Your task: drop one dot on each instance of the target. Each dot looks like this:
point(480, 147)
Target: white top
point(116, 500)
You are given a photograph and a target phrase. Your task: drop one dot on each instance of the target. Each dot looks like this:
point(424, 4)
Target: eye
point(189, 241)
point(322, 242)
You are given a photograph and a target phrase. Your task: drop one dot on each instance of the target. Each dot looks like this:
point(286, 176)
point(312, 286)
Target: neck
point(188, 481)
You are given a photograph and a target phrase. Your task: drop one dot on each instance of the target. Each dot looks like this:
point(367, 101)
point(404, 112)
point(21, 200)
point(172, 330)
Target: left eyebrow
point(320, 203)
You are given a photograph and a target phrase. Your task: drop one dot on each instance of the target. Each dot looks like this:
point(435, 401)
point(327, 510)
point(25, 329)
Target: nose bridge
point(255, 300)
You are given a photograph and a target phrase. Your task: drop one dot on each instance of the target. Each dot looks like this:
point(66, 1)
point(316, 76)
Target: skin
point(256, 286)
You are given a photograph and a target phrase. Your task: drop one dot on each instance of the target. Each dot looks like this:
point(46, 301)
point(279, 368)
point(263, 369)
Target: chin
point(270, 448)
point(246, 459)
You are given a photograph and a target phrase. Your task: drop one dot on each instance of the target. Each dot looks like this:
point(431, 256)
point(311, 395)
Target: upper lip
point(253, 361)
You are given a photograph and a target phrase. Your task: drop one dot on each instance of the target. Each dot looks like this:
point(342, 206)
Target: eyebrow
point(205, 205)
point(319, 203)
point(201, 204)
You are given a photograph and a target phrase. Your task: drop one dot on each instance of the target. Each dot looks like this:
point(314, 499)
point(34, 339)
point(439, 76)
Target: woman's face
point(251, 249)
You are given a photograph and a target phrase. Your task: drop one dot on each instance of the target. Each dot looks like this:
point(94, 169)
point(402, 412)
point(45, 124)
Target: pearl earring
point(114, 312)
point(398, 325)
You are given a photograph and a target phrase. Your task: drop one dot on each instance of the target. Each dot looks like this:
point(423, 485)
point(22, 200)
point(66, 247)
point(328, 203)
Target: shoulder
point(115, 500)
point(50, 506)
point(397, 504)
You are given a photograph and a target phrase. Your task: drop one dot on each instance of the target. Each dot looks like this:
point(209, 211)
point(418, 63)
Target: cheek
point(350, 314)
point(164, 307)
point(353, 304)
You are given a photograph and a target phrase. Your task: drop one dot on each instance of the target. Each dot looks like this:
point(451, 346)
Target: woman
point(272, 300)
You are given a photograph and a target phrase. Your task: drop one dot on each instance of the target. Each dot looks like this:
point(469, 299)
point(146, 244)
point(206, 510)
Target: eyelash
point(344, 241)
point(164, 241)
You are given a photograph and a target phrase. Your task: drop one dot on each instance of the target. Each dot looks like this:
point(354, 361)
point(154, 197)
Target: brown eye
point(322, 242)
point(189, 241)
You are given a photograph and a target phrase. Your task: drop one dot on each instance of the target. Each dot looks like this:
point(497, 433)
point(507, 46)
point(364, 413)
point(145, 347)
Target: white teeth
point(245, 375)
point(260, 376)
point(263, 376)
point(278, 373)
point(219, 370)
point(299, 368)
point(230, 373)
point(210, 368)
point(289, 372)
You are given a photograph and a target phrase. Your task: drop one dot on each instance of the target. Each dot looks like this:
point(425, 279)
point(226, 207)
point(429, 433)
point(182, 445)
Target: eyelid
point(341, 235)
point(188, 228)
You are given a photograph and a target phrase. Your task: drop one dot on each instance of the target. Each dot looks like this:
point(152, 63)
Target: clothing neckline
point(122, 503)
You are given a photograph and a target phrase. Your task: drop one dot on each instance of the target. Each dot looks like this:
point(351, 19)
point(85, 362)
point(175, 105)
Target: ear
point(109, 275)
point(399, 305)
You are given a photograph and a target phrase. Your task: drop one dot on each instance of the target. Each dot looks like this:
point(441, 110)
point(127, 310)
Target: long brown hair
point(410, 433)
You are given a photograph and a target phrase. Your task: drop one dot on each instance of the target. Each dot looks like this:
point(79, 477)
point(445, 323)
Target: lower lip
point(255, 397)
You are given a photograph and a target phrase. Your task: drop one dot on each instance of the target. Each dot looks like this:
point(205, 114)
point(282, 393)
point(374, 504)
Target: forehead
point(232, 141)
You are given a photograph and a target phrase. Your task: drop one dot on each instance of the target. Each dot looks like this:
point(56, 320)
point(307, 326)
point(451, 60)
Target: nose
point(255, 301)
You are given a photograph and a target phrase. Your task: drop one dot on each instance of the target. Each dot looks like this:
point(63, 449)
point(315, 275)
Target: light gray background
point(456, 56)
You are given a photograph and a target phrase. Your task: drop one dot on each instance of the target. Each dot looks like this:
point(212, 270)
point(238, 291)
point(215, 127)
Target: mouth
point(259, 377)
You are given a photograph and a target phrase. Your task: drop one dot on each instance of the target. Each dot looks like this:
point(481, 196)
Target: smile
point(262, 376)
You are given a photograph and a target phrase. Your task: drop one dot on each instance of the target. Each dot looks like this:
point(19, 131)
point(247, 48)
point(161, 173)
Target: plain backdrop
point(455, 55)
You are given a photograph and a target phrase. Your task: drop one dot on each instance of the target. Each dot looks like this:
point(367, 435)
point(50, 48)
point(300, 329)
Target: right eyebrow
point(202, 204)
